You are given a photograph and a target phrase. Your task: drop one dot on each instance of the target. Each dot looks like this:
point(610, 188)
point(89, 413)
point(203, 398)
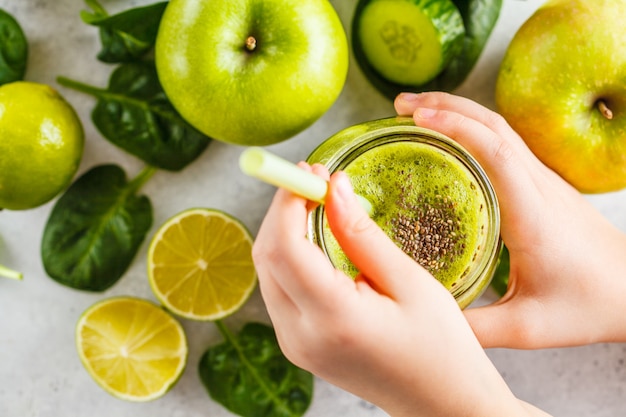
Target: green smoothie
point(428, 202)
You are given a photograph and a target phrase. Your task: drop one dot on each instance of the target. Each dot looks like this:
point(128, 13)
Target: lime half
point(131, 347)
point(200, 264)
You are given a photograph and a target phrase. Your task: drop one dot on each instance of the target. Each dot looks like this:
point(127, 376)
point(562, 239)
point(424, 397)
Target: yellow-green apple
point(562, 87)
point(251, 72)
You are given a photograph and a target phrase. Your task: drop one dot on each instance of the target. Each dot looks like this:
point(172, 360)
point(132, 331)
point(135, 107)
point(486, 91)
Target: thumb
point(384, 265)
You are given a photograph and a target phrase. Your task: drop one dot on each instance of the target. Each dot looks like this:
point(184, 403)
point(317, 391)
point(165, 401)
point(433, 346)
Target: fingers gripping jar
point(429, 195)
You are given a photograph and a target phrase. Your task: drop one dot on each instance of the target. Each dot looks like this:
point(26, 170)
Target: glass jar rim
point(340, 149)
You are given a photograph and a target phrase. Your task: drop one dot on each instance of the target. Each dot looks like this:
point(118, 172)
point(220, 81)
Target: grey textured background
point(40, 373)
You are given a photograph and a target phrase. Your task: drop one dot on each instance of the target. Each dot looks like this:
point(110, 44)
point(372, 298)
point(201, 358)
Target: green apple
point(251, 72)
point(562, 87)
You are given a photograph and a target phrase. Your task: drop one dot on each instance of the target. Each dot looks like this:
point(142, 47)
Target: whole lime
point(41, 144)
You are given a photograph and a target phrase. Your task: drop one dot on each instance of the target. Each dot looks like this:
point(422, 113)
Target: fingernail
point(425, 113)
point(344, 187)
point(409, 96)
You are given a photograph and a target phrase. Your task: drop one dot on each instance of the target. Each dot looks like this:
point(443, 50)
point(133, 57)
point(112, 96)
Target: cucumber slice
point(409, 42)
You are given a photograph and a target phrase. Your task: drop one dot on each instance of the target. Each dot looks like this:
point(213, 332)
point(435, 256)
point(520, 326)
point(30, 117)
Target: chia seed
point(428, 231)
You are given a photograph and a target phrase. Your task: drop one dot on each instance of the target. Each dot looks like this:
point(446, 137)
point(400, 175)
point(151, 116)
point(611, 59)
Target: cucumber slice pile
point(410, 42)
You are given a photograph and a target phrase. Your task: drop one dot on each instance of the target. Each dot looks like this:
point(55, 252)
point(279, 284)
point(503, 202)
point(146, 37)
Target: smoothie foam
point(426, 201)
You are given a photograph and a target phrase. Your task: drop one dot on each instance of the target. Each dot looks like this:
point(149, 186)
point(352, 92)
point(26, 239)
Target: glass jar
point(428, 194)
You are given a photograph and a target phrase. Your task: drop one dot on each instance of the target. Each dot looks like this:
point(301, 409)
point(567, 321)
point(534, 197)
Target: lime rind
point(42, 144)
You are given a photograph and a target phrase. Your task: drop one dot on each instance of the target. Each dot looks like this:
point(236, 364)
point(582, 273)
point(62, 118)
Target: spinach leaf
point(96, 228)
point(135, 114)
point(249, 375)
point(500, 281)
point(479, 19)
point(126, 36)
point(13, 49)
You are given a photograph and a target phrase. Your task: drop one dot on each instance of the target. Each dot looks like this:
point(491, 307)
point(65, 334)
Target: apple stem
point(250, 43)
point(604, 109)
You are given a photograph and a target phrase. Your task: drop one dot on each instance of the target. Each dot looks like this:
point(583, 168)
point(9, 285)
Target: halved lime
point(131, 347)
point(200, 264)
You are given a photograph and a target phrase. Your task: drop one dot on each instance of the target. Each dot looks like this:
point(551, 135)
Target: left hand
point(394, 336)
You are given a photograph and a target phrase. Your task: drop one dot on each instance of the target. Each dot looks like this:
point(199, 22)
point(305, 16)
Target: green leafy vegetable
point(479, 19)
point(249, 375)
point(96, 228)
point(500, 279)
point(13, 49)
point(126, 36)
point(135, 114)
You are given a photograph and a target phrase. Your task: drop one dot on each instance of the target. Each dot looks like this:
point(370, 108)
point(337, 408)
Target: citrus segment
point(131, 347)
point(200, 264)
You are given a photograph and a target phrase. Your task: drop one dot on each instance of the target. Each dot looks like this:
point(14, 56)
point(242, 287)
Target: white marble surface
point(40, 373)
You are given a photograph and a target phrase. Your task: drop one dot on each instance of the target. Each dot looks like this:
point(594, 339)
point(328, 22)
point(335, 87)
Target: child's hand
point(568, 264)
point(394, 336)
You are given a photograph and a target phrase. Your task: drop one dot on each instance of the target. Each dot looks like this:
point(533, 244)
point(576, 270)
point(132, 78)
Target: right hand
point(567, 282)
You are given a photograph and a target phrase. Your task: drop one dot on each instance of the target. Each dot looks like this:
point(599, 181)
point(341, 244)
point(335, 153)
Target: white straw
point(261, 164)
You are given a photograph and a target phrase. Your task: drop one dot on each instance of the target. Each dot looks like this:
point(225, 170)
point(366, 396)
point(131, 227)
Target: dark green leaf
point(249, 375)
point(479, 18)
point(13, 49)
point(98, 13)
point(96, 228)
point(135, 114)
point(126, 36)
point(500, 279)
